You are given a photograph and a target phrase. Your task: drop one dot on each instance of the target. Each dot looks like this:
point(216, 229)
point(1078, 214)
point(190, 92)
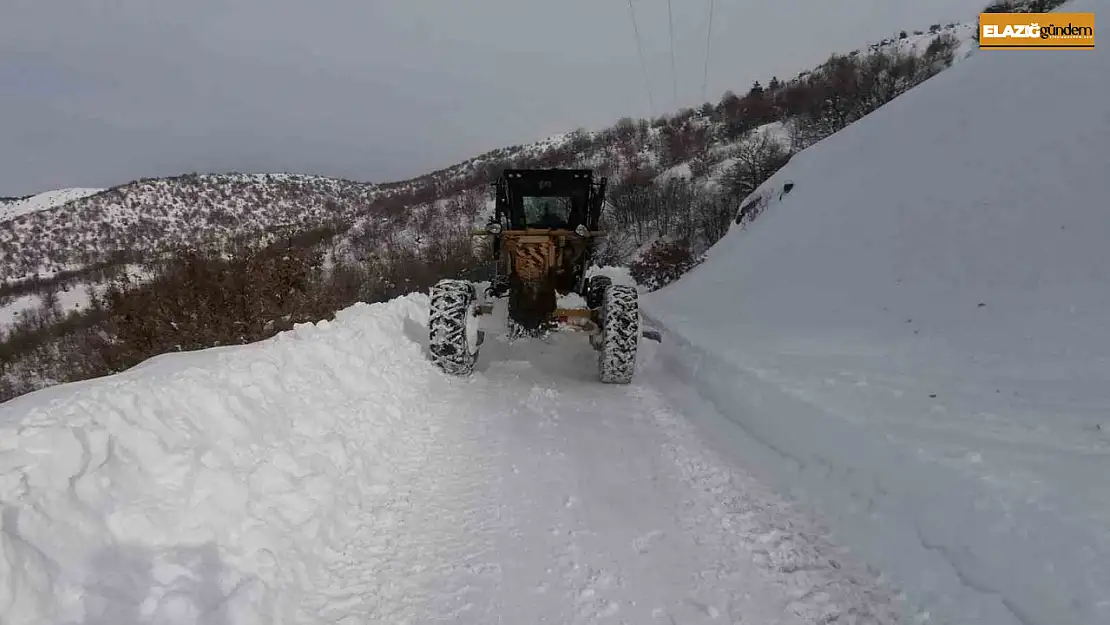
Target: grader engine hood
point(532, 256)
point(550, 215)
point(537, 256)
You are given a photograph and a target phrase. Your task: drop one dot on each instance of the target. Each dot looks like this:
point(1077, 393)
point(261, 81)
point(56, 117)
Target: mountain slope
point(143, 218)
point(148, 216)
point(914, 336)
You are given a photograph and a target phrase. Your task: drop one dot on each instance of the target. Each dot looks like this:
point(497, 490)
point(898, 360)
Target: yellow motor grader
point(544, 231)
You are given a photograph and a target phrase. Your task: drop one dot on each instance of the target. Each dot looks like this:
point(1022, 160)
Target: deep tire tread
point(452, 305)
point(620, 334)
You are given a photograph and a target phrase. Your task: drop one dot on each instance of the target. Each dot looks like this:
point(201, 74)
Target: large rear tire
point(620, 334)
point(453, 327)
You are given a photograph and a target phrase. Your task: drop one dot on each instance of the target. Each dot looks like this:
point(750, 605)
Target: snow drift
point(915, 339)
point(225, 485)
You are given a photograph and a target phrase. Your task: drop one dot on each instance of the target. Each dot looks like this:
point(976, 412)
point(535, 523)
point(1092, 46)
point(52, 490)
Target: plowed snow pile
point(915, 339)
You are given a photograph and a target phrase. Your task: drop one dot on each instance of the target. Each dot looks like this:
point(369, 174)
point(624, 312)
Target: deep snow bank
point(226, 485)
point(915, 338)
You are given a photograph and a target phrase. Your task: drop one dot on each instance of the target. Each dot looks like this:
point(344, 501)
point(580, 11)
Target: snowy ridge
point(148, 216)
point(43, 201)
point(918, 41)
point(913, 345)
point(75, 298)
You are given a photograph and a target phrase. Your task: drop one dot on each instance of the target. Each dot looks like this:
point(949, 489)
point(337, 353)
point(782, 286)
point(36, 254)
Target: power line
point(674, 76)
point(708, 38)
point(643, 64)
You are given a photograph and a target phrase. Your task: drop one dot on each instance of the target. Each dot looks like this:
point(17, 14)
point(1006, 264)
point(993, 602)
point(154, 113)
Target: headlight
point(582, 230)
point(493, 228)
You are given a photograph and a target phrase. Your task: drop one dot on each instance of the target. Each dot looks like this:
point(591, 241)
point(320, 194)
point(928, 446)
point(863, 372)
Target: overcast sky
point(100, 92)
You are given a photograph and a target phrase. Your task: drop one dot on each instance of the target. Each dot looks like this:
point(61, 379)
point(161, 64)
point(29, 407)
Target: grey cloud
point(99, 92)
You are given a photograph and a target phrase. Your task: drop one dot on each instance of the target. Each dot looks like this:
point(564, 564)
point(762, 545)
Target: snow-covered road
point(332, 475)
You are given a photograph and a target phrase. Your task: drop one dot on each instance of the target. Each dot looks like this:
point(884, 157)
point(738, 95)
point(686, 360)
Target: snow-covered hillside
point(141, 218)
point(75, 298)
point(43, 201)
point(915, 340)
point(146, 216)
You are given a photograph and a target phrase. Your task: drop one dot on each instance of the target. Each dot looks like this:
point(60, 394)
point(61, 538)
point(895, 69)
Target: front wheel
point(453, 335)
point(620, 334)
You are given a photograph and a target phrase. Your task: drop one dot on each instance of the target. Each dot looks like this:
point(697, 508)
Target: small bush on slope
point(1023, 6)
point(203, 300)
point(848, 87)
point(663, 263)
point(729, 143)
point(757, 159)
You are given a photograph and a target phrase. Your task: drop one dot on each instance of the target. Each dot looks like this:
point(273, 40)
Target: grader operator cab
point(544, 232)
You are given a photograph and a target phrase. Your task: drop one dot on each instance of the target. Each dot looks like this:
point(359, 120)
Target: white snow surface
point(43, 201)
point(571, 300)
point(333, 475)
point(619, 275)
point(14, 308)
point(915, 343)
point(74, 297)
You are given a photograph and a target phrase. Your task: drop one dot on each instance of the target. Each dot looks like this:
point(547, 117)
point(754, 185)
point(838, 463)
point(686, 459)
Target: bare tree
point(758, 157)
point(714, 216)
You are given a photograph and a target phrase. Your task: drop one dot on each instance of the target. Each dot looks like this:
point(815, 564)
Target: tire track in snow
point(431, 556)
point(738, 516)
point(639, 523)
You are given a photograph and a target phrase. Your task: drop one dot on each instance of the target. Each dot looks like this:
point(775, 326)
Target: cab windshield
point(547, 212)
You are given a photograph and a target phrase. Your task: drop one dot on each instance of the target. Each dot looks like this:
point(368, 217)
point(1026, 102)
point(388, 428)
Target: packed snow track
point(333, 475)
